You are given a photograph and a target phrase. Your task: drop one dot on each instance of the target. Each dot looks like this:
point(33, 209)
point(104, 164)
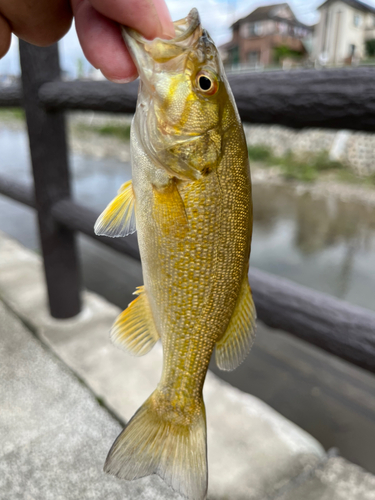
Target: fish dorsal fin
point(118, 219)
point(169, 210)
point(236, 342)
point(134, 329)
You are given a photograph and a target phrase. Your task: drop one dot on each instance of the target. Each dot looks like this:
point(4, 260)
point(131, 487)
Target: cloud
point(10, 63)
point(216, 16)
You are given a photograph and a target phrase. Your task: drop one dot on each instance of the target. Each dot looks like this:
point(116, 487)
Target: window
point(357, 20)
point(269, 27)
point(351, 50)
point(244, 30)
point(258, 28)
point(255, 29)
point(253, 58)
point(283, 28)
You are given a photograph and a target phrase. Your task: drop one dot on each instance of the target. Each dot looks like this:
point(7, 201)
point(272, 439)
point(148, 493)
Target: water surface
point(325, 244)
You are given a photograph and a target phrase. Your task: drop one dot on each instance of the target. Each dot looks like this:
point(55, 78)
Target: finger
point(151, 18)
point(168, 30)
point(41, 22)
point(102, 44)
point(5, 36)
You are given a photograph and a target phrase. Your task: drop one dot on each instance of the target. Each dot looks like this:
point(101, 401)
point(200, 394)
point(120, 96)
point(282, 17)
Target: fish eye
point(206, 83)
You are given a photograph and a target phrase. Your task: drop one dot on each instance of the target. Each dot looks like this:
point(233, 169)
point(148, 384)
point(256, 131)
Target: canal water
point(322, 243)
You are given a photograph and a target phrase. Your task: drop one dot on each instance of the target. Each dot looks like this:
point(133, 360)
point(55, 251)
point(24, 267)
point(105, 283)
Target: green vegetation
point(308, 168)
point(15, 113)
point(371, 179)
point(292, 167)
point(100, 401)
point(351, 178)
point(120, 131)
point(259, 153)
point(283, 52)
point(370, 47)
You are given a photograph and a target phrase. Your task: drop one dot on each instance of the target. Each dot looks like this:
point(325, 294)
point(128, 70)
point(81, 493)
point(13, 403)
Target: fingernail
point(120, 80)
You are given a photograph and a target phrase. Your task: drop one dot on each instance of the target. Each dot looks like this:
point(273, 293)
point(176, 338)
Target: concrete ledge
point(337, 479)
point(253, 451)
point(53, 432)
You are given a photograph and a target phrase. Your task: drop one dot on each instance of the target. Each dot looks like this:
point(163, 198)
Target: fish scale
point(191, 193)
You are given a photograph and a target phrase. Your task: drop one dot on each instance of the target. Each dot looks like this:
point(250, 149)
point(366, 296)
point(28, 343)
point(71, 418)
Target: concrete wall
point(354, 149)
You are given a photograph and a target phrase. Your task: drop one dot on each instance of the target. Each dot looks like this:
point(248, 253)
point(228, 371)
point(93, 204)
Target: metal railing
point(331, 99)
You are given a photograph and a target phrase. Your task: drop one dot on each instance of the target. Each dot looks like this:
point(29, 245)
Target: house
point(342, 31)
point(256, 37)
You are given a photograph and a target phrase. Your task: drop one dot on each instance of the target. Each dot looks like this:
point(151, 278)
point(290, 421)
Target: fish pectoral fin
point(134, 329)
point(169, 210)
point(118, 219)
point(236, 342)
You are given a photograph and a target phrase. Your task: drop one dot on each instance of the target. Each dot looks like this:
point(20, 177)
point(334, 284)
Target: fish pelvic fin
point(118, 219)
point(156, 441)
point(134, 330)
point(236, 343)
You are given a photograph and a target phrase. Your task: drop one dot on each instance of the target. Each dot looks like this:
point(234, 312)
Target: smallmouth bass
point(190, 199)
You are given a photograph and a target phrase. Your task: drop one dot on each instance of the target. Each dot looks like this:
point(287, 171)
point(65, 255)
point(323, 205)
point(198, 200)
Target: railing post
point(49, 158)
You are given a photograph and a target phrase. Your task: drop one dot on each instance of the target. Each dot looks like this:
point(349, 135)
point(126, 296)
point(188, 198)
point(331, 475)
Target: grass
point(309, 167)
point(120, 131)
point(17, 113)
point(292, 167)
point(260, 153)
point(371, 179)
point(350, 177)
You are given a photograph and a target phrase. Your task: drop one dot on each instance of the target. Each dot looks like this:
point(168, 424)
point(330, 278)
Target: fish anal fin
point(134, 329)
point(236, 342)
point(118, 219)
point(169, 210)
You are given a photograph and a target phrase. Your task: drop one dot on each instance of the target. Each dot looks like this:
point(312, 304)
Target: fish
point(190, 201)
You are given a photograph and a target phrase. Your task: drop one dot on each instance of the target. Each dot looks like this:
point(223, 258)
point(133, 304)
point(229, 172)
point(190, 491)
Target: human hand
point(43, 22)
point(101, 40)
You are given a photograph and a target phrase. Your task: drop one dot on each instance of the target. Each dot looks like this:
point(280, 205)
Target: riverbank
point(327, 185)
point(106, 136)
point(102, 135)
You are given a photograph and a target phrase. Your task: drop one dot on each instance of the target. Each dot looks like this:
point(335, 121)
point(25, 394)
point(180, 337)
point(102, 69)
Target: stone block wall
point(354, 149)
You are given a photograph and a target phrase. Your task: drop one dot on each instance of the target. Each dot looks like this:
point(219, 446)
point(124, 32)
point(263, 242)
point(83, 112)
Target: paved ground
point(55, 435)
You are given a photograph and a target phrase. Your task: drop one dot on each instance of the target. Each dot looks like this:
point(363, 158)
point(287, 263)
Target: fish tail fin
point(154, 442)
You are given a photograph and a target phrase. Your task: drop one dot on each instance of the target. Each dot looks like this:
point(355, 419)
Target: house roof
point(267, 12)
point(263, 12)
point(356, 4)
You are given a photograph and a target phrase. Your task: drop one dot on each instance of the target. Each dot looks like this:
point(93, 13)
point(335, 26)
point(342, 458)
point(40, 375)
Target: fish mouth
point(184, 29)
point(149, 54)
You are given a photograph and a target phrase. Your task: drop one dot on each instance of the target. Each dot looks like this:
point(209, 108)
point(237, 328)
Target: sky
point(216, 16)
